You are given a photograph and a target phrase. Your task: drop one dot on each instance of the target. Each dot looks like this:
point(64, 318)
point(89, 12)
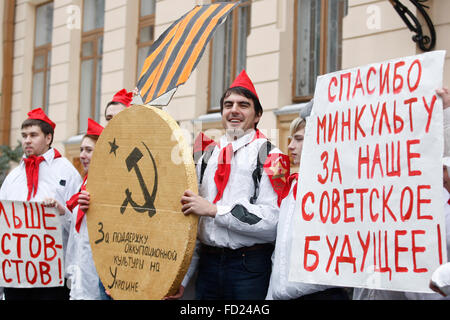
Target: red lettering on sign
point(398, 78)
point(332, 248)
point(415, 249)
point(419, 75)
point(347, 206)
point(358, 117)
point(429, 109)
point(306, 216)
point(4, 250)
point(322, 217)
point(46, 215)
point(19, 238)
point(2, 211)
point(7, 280)
point(31, 280)
point(358, 84)
point(335, 207)
point(408, 214)
point(346, 259)
point(309, 252)
point(331, 97)
point(384, 79)
point(365, 247)
point(399, 249)
point(412, 155)
point(44, 270)
point(410, 102)
point(361, 201)
point(421, 201)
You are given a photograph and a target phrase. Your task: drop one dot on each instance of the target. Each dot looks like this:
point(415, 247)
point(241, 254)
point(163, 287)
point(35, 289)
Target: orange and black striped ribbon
point(176, 53)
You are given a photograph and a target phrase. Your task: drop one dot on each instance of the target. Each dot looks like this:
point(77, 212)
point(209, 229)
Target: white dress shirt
point(280, 288)
point(235, 231)
point(80, 267)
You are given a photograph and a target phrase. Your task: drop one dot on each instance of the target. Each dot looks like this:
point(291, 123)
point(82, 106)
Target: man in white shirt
point(43, 173)
point(238, 210)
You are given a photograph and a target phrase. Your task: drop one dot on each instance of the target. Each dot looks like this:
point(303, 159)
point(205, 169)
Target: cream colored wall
point(441, 19)
point(268, 19)
point(190, 100)
point(268, 63)
point(2, 8)
point(22, 64)
point(65, 69)
point(372, 32)
point(119, 49)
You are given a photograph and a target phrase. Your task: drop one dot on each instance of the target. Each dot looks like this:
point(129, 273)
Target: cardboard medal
point(142, 243)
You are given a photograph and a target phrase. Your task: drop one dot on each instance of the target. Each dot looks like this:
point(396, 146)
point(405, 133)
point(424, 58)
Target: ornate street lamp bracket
point(425, 42)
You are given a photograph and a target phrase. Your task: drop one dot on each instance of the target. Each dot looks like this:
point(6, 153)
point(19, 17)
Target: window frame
point(43, 50)
point(234, 40)
point(144, 22)
point(323, 45)
point(90, 36)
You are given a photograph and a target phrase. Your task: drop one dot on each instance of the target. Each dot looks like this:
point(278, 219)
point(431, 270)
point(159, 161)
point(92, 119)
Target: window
point(146, 32)
point(91, 61)
point(318, 43)
point(228, 52)
point(42, 56)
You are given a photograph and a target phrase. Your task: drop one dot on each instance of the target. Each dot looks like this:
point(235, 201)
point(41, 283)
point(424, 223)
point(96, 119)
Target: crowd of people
point(244, 204)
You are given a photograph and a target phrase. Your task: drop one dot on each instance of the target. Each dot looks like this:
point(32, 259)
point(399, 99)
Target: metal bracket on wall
point(425, 42)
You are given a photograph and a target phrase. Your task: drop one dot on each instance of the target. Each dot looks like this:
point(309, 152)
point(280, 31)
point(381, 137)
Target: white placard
point(31, 250)
point(369, 210)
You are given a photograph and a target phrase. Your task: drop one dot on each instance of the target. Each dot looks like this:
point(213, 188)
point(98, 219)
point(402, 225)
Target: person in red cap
point(120, 101)
point(237, 204)
point(42, 174)
point(80, 264)
point(80, 268)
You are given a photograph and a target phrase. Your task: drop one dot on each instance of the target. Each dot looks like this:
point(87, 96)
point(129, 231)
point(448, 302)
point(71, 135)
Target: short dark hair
point(246, 93)
point(46, 128)
point(91, 136)
point(112, 103)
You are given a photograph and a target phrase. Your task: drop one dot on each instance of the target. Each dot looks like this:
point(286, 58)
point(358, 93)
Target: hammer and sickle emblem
point(132, 162)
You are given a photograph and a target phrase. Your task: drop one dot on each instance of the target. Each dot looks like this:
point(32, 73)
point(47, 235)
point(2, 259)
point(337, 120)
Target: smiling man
point(43, 173)
point(240, 184)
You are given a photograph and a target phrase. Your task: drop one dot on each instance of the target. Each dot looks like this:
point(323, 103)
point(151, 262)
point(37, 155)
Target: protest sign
point(30, 246)
point(369, 210)
point(141, 242)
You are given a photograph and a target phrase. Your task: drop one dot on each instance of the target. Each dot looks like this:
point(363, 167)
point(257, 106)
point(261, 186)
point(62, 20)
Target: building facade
point(70, 57)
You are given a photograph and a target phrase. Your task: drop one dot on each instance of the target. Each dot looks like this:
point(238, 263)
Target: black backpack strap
point(264, 151)
point(207, 154)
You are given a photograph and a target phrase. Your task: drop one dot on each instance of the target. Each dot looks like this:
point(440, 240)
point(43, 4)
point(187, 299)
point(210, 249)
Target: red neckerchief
point(73, 202)
point(224, 166)
point(223, 170)
point(202, 142)
point(32, 171)
point(293, 178)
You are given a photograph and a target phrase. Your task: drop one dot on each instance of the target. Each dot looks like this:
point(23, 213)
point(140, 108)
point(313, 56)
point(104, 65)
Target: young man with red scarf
point(43, 173)
point(238, 213)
